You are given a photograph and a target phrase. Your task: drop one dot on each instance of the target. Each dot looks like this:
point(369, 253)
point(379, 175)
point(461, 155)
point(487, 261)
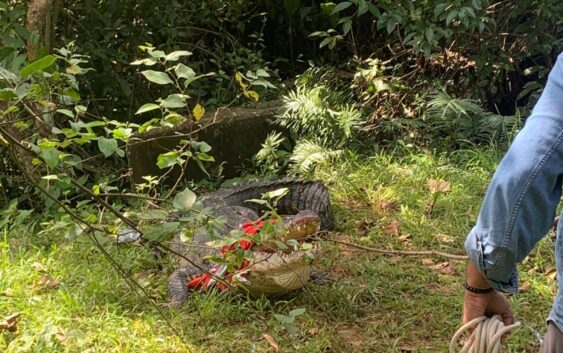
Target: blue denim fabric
point(521, 200)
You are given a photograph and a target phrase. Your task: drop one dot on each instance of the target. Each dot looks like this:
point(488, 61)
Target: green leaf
point(147, 61)
point(427, 51)
point(281, 245)
point(202, 146)
point(4, 52)
point(176, 55)
point(276, 193)
point(297, 312)
point(284, 318)
point(450, 17)
point(262, 73)
point(166, 160)
point(187, 235)
point(122, 133)
point(362, 7)
point(204, 157)
point(147, 108)
point(158, 77)
point(95, 123)
point(157, 54)
point(8, 76)
point(80, 109)
point(293, 242)
point(153, 214)
point(291, 7)
point(341, 7)
point(120, 152)
point(327, 7)
point(316, 34)
point(160, 232)
point(325, 42)
point(292, 329)
point(528, 88)
point(184, 200)
point(429, 33)
point(439, 9)
point(306, 246)
point(173, 101)
point(72, 94)
point(184, 71)
point(107, 146)
point(66, 112)
point(51, 157)
point(216, 259)
point(50, 177)
point(391, 24)
point(174, 118)
point(347, 26)
point(262, 82)
point(38, 65)
point(7, 94)
point(258, 201)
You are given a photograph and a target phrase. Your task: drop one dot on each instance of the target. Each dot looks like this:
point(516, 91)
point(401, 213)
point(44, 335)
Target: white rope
point(486, 335)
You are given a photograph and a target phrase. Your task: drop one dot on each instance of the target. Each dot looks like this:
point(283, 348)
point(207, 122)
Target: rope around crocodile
point(486, 335)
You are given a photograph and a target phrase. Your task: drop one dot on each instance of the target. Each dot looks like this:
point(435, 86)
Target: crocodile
point(307, 201)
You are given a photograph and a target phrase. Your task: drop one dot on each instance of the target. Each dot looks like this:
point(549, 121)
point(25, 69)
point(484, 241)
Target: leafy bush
point(319, 113)
point(320, 120)
point(224, 37)
point(460, 121)
point(498, 54)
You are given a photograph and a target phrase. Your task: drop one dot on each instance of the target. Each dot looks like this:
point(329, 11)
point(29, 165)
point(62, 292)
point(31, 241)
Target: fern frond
point(500, 127)
point(442, 106)
point(321, 114)
point(307, 155)
point(269, 147)
point(348, 119)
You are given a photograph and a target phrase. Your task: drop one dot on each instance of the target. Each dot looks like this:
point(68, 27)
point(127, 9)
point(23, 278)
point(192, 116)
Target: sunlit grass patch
point(71, 299)
point(383, 201)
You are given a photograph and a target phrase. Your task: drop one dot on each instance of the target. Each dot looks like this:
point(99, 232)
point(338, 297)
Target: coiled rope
point(486, 335)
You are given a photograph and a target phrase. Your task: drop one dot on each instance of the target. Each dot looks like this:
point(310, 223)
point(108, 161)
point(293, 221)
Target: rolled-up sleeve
point(494, 262)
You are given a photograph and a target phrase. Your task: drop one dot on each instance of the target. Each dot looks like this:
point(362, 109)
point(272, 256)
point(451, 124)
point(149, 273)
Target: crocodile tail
point(302, 195)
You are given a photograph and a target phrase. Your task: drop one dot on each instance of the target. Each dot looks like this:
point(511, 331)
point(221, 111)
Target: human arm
point(479, 304)
point(519, 205)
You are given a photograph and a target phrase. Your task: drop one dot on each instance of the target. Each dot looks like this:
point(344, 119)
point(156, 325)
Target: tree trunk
point(36, 21)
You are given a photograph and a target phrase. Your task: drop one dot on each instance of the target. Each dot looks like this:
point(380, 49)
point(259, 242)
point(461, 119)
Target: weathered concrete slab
point(234, 134)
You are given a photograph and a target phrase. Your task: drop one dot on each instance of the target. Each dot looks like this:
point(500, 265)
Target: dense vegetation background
point(423, 89)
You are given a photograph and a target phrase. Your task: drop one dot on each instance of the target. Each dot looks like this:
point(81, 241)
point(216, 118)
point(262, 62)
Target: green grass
point(377, 303)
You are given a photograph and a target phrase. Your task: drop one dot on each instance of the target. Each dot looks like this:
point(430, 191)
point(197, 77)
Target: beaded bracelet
point(478, 290)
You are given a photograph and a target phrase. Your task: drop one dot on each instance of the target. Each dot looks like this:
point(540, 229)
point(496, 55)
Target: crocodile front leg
point(178, 291)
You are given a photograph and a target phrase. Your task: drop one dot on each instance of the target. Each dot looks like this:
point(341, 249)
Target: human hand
point(488, 304)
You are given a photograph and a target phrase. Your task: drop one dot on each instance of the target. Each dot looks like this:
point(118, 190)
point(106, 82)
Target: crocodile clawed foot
point(320, 277)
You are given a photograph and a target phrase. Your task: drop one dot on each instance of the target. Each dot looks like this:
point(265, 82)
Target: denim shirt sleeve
point(522, 198)
point(493, 261)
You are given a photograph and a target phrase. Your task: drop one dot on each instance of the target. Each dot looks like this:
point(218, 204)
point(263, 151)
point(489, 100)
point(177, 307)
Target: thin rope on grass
point(486, 335)
point(393, 252)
